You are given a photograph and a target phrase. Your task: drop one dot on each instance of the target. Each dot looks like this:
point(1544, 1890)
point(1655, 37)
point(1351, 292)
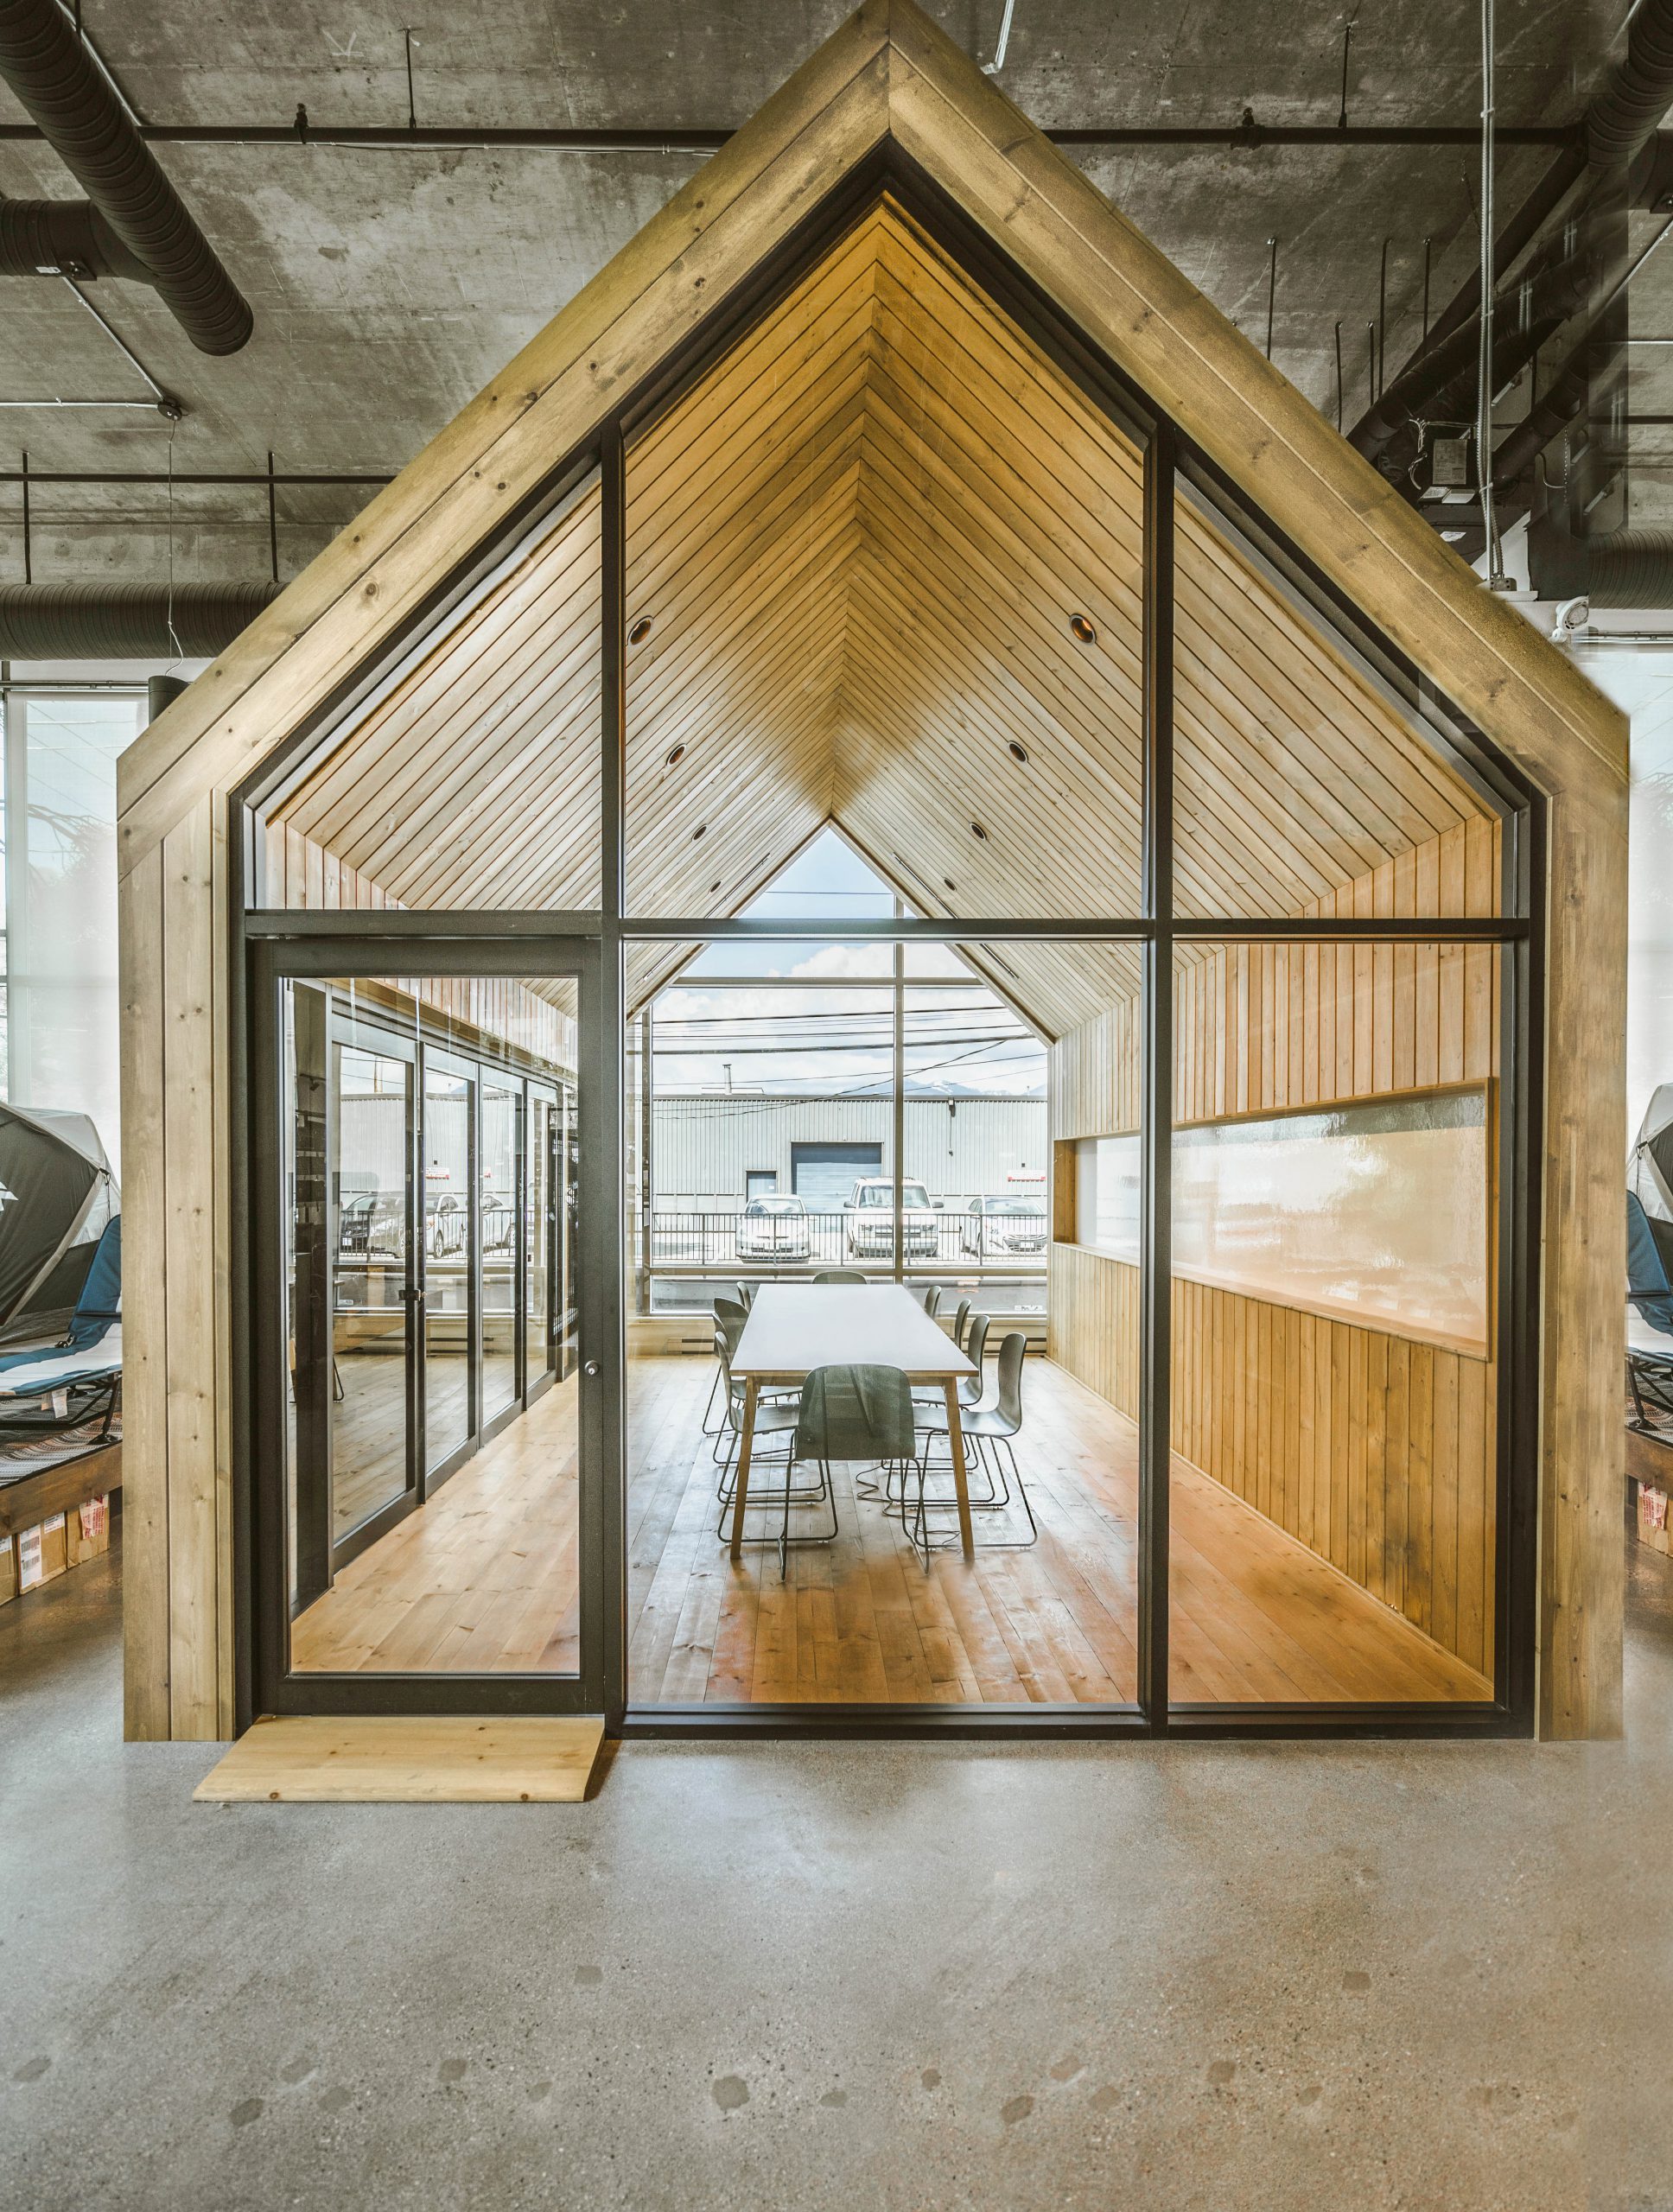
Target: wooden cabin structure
point(890, 480)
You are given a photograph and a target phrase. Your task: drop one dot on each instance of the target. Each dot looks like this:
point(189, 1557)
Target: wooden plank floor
point(388, 1760)
point(1256, 1616)
point(484, 1579)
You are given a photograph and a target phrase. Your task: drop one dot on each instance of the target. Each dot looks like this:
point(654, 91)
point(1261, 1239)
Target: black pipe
point(54, 76)
point(677, 139)
point(125, 621)
point(62, 238)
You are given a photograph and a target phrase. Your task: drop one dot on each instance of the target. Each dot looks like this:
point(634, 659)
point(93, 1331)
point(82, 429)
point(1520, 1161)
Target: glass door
point(436, 1330)
point(451, 1307)
point(500, 1196)
point(370, 1130)
point(543, 1125)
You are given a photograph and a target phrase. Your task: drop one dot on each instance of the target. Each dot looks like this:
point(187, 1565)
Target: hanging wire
point(174, 634)
point(1271, 289)
point(1497, 580)
point(1338, 376)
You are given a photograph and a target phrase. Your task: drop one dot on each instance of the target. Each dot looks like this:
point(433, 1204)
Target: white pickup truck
point(868, 1220)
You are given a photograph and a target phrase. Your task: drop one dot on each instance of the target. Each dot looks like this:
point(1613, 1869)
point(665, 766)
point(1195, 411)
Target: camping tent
point(1650, 1170)
point(57, 1192)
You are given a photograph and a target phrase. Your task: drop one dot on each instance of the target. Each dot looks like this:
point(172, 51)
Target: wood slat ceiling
point(858, 544)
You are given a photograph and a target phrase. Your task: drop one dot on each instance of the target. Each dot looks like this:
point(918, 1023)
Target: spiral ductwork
point(78, 112)
point(125, 621)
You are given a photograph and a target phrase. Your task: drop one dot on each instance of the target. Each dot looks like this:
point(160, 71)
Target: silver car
point(1006, 1224)
point(774, 1229)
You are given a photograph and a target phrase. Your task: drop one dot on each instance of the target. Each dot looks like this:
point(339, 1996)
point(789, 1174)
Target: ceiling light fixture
point(674, 755)
point(1082, 631)
point(640, 630)
point(1019, 753)
point(699, 831)
point(976, 831)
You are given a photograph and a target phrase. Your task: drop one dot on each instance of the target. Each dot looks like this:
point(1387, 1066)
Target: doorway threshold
point(391, 1760)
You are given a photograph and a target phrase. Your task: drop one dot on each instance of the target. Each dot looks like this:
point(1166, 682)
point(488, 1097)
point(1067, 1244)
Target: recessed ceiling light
point(640, 630)
point(713, 888)
point(951, 885)
point(1081, 630)
point(1019, 752)
point(699, 831)
point(976, 831)
point(674, 755)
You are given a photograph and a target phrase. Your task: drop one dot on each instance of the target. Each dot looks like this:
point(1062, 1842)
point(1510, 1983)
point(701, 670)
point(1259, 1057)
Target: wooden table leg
point(747, 1437)
point(955, 1445)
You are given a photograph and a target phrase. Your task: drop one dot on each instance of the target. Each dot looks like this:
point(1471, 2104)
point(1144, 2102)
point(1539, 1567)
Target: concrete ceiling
point(388, 284)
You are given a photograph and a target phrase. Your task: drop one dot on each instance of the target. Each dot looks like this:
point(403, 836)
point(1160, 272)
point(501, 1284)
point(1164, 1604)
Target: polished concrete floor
point(798, 1975)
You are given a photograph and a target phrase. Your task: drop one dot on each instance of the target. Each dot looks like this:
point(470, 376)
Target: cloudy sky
point(783, 1041)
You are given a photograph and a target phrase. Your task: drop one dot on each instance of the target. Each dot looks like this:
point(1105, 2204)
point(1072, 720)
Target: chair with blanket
point(59, 1386)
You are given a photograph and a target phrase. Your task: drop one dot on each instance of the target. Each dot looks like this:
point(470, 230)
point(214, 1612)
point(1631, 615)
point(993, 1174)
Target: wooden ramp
point(432, 1761)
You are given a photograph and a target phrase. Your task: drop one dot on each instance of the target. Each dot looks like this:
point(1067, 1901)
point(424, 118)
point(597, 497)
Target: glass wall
point(59, 1003)
point(1335, 1471)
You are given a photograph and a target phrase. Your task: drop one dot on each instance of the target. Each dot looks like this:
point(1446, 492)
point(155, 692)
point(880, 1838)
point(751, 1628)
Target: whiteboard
point(1376, 1213)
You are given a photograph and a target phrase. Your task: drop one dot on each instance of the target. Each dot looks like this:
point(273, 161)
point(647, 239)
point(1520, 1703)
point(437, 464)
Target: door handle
point(589, 1367)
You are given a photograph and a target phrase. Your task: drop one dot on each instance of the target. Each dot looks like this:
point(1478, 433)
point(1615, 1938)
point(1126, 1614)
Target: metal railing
point(699, 1242)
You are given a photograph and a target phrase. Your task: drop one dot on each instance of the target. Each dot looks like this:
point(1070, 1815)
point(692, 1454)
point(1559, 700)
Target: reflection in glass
point(500, 1180)
point(539, 1228)
point(371, 1105)
point(449, 1138)
point(1333, 1511)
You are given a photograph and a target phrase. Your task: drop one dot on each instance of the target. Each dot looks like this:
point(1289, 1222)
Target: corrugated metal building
point(708, 1146)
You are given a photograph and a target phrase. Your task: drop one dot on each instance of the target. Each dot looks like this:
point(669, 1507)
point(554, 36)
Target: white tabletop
point(794, 1327)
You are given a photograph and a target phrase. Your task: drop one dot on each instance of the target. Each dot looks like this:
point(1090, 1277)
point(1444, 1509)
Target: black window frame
point(1172, 458)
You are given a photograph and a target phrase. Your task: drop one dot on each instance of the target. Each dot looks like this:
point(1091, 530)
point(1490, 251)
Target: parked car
point(868, 1220)
point(774, 1229)
point(1009, 1222)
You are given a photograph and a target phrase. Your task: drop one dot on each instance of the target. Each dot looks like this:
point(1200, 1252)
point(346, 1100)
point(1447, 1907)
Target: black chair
point(1648, 1318)
point(988, 1431)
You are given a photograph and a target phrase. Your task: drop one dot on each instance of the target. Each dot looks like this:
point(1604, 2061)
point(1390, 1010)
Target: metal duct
point(125, 621)
point(57, 80)
point(62, 238)
point(1629, 107)
point(1624, 568)
point(1616, 128)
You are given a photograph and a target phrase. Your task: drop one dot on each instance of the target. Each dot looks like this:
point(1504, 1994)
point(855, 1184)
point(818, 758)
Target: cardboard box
point(87, 1531)
point(42, 1553)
